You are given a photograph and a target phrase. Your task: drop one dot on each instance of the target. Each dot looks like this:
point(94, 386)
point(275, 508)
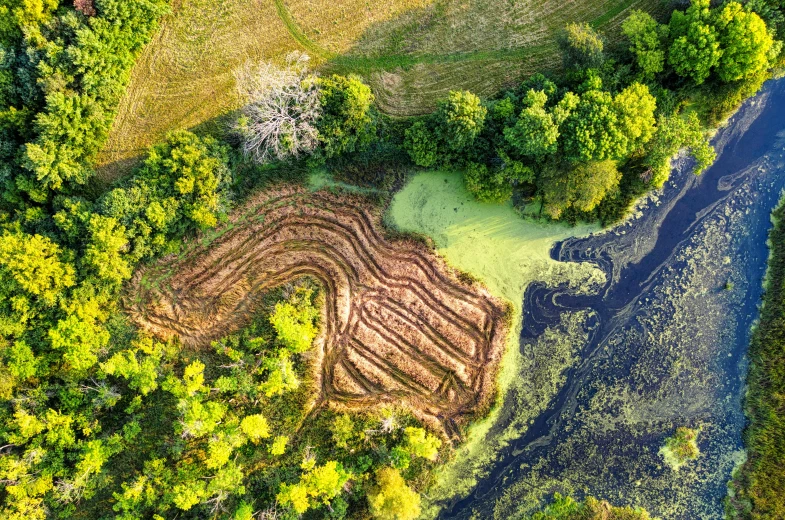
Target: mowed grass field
point(412, 52)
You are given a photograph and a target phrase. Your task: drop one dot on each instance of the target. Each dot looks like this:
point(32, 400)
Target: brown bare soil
point(399, 326)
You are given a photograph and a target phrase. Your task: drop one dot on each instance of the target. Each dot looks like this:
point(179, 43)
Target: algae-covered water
point(625, 335)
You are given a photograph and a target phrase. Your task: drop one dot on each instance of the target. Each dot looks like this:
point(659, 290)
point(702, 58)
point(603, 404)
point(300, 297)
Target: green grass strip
point(298, 34)
point(343, 64)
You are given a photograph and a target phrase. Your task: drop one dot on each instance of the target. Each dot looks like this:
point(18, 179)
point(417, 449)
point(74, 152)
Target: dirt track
point(398, 326)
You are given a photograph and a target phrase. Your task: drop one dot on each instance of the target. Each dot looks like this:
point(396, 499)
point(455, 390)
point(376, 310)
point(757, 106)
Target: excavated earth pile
point(399, 325)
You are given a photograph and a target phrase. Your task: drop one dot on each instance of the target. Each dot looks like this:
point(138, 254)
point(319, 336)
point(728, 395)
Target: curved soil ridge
point(399, 325)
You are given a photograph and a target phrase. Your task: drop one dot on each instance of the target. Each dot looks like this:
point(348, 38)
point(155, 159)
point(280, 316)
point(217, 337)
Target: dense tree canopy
point(582, 185)
point(745, 42)
point(345, 123)
point(180, 189)
point(535, 133)
point(460, 119)
point(392, 499)
point(646, 39)
point(695, 50)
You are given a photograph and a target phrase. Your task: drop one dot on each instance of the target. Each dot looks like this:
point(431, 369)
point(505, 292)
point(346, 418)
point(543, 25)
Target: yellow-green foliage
point(391, 498)
point(421, 443)
point(565, 508)
point(681, 448)
point(295, 321)
point(317, 484)
point(256, 428)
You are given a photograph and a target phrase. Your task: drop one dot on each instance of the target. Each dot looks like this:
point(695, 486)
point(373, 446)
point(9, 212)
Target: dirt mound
point(399, 325)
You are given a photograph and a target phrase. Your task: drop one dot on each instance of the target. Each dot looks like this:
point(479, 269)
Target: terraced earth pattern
point(398, 325)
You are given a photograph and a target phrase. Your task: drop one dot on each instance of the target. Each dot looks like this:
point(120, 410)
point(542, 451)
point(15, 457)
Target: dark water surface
point(662, 344)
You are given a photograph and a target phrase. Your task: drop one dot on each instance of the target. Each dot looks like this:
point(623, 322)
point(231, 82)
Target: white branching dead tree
point(281, 109)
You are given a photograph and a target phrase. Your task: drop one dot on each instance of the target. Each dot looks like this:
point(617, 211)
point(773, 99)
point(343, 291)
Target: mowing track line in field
point(365, 64)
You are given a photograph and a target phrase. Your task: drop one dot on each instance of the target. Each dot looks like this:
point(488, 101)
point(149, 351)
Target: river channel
point(661, 345)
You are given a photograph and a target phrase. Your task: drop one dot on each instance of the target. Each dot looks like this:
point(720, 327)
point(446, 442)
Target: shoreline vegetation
point(97, 419)
point(756, 491)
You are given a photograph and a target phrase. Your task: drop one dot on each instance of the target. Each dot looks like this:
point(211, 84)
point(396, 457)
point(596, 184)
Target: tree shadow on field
point(111, 174)
point(414, 57)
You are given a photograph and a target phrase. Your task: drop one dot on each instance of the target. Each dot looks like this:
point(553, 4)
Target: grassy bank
point(758, 488)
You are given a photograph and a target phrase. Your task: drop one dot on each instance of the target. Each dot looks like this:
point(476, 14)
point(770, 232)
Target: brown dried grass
point(399, 325)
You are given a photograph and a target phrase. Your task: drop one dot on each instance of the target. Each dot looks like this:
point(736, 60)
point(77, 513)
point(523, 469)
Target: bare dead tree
point(86, 7)
point(282, 106)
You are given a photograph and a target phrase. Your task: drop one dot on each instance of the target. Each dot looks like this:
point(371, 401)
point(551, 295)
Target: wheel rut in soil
point(398, 326)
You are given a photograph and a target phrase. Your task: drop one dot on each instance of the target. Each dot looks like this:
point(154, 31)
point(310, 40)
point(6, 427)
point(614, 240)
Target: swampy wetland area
point(416, 259)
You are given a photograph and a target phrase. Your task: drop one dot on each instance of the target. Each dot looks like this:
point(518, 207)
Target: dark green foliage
point(716, 103)
point(495, 184)
point(421, 144)
point(581, 185)
point(759, 483)
point(64, 74)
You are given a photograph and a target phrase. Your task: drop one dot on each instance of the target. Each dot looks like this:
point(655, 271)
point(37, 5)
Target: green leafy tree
point(294, 321)
point(33, 278)
point(421, 145)
point(278, 446)
point(646, 39)
point(535, 133)
point(255, 427)
point(635, 108)
point(345, 124)
point(79, 340)
point(105, 247)
point(486, 184)
point(592, 131)
point(581, 46)
point(319, 484)
point(391, 498)
point(180, 189)
point(421, 444)
point(674, 134)
point(281, 376)
point(745, 42)
point(695, 50)
point(581, 186)
point(343, 430)
point(460, 119)
point(605, 127)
